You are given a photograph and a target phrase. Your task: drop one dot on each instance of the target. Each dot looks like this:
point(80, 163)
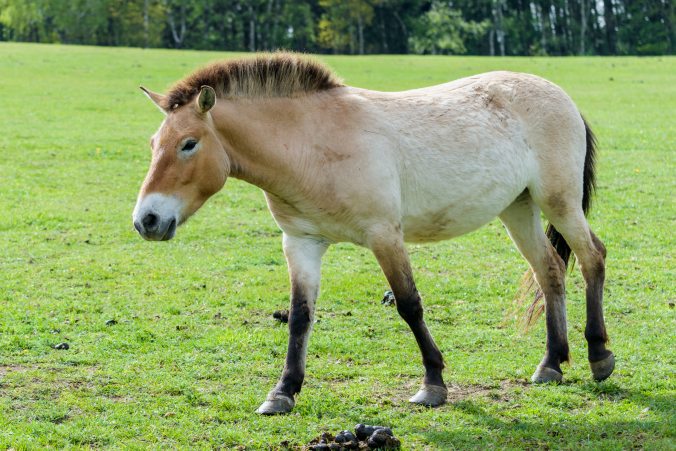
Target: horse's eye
point(189, 145)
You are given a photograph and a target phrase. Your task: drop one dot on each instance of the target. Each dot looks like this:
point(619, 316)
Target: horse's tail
point(589, 185)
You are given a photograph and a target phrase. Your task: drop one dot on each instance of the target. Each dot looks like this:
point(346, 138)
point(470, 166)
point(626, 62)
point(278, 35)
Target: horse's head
point(189, 164)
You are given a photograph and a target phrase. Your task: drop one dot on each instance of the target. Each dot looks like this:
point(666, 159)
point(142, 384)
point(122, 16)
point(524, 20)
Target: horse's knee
point(410, 307)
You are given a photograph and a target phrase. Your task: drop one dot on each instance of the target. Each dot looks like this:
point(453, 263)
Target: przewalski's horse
point(377, 169)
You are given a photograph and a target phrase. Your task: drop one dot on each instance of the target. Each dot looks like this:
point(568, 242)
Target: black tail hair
point(557, 240)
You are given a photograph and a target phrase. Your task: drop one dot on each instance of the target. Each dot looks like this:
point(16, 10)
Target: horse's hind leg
point(601, 360)
point(388, 246)
point(522, 220)
point(591, 254)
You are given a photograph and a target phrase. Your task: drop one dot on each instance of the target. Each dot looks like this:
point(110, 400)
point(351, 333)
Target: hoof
point(430, 396)
point(276, 404)
point(545, 374)
point(603, 368)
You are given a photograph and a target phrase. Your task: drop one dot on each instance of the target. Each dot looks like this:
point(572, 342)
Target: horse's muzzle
point(152, 228)
point(157, 215)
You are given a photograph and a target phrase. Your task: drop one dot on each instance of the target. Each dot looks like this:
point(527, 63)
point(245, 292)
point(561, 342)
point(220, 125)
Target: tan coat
point(339, 163)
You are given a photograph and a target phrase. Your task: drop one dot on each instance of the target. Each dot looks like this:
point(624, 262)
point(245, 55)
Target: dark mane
point(264, 75)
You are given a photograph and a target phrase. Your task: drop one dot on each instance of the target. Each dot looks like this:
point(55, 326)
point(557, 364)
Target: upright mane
point(264, 75)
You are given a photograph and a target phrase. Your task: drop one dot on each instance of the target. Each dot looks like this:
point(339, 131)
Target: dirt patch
point(457, 392)
point(501, 392)
point(7, 369)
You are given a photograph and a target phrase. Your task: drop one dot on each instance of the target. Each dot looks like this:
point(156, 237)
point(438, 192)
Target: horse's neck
point(266, 139)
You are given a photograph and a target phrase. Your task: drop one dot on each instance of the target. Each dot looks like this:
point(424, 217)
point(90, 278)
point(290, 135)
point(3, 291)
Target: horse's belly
point(448, 223)
point(442, 207)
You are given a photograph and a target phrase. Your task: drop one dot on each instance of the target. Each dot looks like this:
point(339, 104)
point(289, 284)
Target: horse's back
point(465, 150)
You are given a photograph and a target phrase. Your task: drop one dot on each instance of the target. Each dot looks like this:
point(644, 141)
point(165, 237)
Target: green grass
point(195, 349)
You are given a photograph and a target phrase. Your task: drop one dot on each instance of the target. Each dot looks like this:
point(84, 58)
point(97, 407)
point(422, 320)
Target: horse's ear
point(206, 99)
point(157, 99)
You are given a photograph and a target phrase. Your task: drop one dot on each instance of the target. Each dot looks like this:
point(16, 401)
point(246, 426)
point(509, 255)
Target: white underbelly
point(450, 222)
point(451, 200)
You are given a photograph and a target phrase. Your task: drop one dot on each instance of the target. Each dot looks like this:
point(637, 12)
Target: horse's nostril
point(150, 221)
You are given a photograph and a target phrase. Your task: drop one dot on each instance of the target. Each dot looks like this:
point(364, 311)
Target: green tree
point(480, 27)
point(343, 24)
point(27, 20)
point(647, 28)
point(443, 30)
point(297, 27)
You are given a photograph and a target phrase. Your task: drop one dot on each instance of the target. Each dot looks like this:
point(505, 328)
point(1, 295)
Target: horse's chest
point(310, 219)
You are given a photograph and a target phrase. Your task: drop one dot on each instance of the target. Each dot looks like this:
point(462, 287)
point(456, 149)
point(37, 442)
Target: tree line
point(476, 27)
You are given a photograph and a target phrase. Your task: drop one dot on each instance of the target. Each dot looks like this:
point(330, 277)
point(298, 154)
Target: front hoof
point(276, 404)
point(430, 396)
point(545, 374)
point(603, 368)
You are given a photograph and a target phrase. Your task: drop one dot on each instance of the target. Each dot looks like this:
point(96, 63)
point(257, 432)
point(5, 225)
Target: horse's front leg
point(303, 256)
point(388, 247)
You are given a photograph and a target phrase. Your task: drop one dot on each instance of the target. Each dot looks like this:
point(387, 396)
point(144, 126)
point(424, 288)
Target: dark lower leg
point(557, 336)
point(552, 277)
point(388, 246)
point(303, 256)
point(410, 309)
point(300, 317)
point(595, 331)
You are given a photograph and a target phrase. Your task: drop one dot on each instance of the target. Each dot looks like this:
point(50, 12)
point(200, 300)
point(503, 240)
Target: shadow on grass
point(655, 425)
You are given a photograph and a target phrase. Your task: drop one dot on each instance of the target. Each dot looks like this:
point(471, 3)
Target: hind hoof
point(430, 396)
point(276, 404)
point(545, 374)
point(603, 368)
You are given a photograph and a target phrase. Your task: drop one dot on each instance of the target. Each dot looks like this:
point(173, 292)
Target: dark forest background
point(476, 27)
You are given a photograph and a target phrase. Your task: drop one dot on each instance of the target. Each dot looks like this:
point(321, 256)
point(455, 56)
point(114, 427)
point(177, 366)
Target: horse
point(342, 164)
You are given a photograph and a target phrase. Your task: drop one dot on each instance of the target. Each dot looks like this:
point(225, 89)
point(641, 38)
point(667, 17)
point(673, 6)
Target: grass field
point(195, 350)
